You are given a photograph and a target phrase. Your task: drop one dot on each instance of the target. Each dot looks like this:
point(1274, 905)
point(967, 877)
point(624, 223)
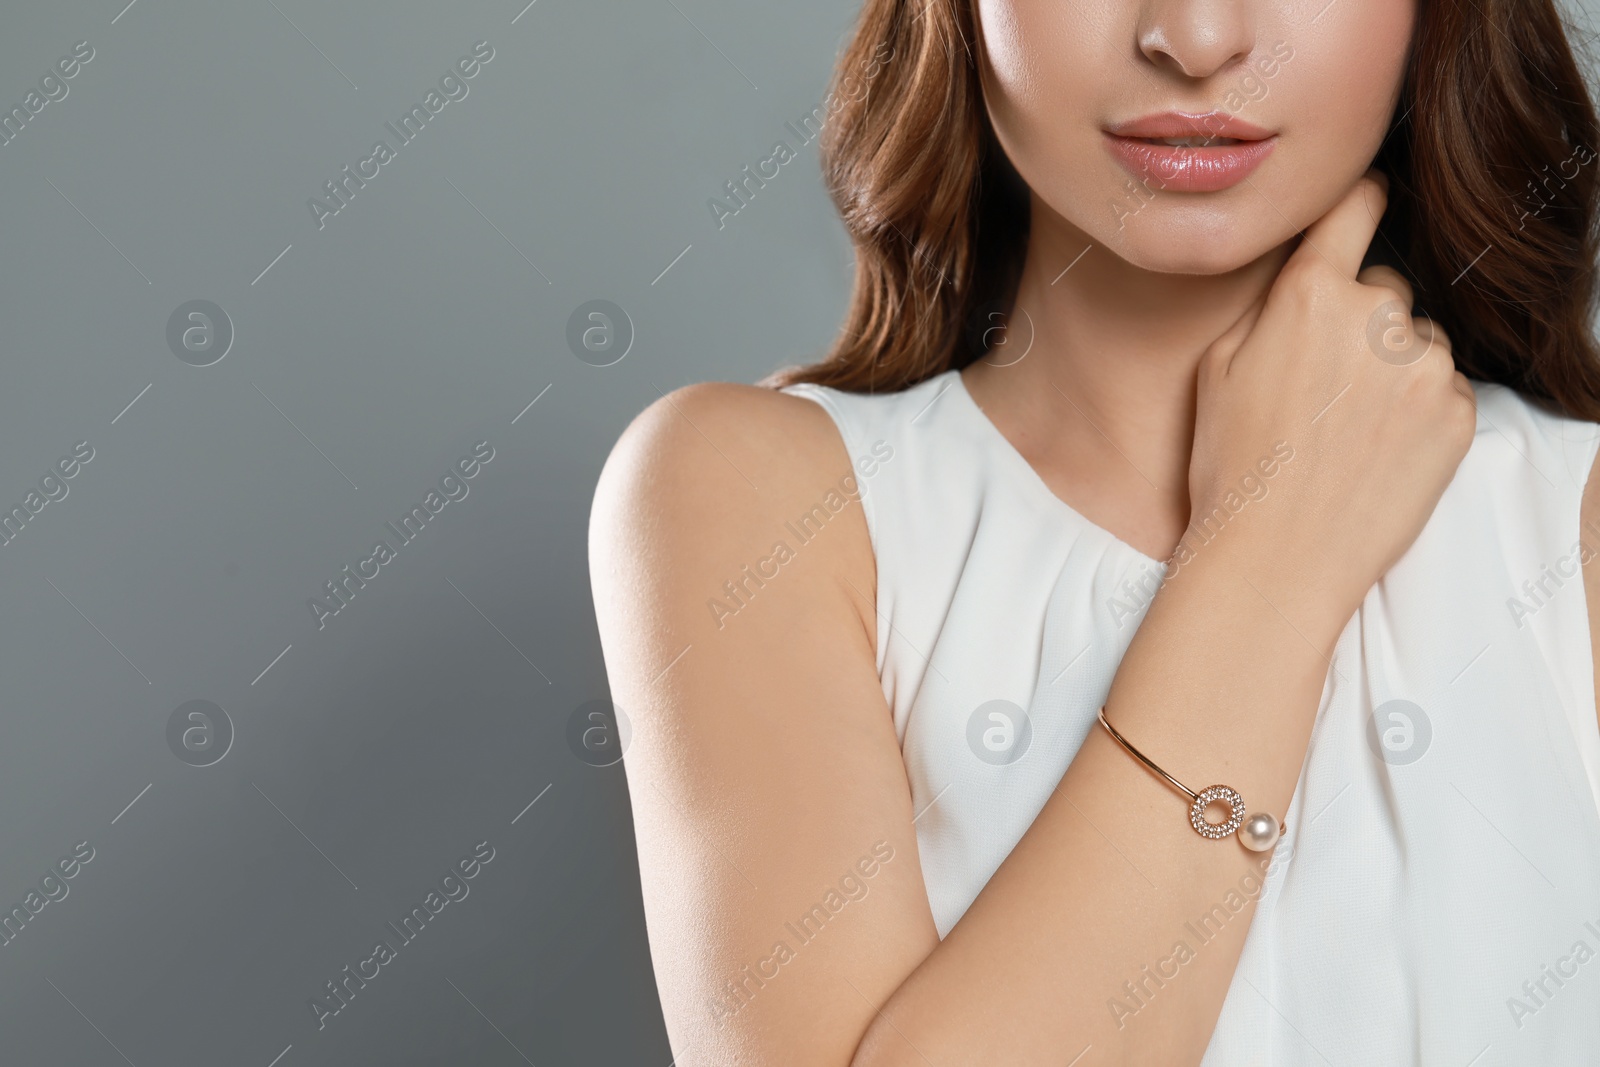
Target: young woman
point(1147, 401)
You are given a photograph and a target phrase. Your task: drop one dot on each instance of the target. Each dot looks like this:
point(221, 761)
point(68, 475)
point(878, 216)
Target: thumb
point(1220, 353)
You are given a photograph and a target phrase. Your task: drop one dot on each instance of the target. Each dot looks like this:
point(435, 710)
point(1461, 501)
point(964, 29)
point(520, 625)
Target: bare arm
point(764, 765)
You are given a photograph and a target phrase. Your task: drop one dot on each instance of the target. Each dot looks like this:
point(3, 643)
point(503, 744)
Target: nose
point(1196, 38)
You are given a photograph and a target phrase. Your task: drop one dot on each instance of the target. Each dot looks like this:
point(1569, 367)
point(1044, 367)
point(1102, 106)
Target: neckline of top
point(1017, 460)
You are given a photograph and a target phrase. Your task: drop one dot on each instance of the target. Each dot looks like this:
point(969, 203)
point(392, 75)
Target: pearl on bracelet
point(1259, 832)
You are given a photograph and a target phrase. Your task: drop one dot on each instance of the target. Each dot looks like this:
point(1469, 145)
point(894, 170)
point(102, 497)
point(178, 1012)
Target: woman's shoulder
point(719, 436)
point(785, 444)
point(700, 485)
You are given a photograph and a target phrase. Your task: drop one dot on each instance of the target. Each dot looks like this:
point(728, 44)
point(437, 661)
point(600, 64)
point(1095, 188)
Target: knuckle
point(1306, 274)
point(1440, 336)
point(1384, 293)
point(1445, 359)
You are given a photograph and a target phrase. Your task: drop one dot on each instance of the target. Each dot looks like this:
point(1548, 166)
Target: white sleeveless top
point(1436, 895)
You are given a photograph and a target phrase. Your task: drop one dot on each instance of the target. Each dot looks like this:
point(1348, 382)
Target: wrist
point(1232, 581)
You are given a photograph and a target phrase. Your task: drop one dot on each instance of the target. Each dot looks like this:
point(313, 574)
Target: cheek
point(1043, 81)
point(1333, 101)
point(1011, 33)
point(1344, 80)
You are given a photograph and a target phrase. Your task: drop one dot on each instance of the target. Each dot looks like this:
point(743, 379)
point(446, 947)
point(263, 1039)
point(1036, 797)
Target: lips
point(1221, 150)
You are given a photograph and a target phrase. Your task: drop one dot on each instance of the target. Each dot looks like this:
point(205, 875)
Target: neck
point(1103, 402)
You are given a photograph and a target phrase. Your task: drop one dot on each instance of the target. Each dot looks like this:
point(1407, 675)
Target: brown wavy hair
point(1492, 204)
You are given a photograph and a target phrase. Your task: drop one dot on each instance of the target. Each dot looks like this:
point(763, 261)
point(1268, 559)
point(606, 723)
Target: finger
point(1226, 345)
point(1428, 338)
point(1340, 237)
point(1388, 278)
point(1431, 332)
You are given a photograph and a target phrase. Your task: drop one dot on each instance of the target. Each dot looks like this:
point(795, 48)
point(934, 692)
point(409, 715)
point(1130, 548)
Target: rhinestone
point(1205, 798)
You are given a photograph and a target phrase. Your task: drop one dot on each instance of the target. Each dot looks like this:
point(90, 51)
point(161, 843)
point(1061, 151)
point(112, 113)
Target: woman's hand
point(1365, 409)
point(765, 763)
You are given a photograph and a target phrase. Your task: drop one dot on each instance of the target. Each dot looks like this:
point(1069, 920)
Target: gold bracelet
point(1257, 832)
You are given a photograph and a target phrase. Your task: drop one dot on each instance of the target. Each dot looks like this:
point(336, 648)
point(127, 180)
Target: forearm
point(1217, 686)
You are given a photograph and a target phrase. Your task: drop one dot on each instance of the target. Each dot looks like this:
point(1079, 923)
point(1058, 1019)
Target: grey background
point(369, 355)
point(426, 716)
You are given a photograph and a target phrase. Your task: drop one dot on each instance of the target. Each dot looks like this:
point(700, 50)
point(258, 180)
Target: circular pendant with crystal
point(1211, 795)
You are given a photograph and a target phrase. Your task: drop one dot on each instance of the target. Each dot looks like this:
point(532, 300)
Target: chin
point(1176, 242)
point(1163, 258)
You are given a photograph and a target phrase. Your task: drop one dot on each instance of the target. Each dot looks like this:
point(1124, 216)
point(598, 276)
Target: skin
point(1165, 272)
point(764, 767)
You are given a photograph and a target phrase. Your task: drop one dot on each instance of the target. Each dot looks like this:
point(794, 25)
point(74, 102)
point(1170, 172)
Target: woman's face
point(1306, 88)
